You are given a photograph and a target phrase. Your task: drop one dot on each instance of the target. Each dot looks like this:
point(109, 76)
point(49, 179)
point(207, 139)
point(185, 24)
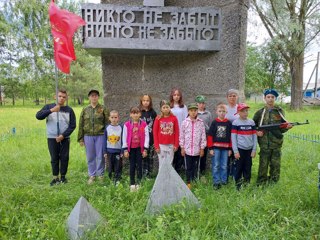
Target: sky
point(260, 36)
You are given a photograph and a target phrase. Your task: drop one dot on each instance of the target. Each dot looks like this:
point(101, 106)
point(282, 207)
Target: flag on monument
point(63, 26)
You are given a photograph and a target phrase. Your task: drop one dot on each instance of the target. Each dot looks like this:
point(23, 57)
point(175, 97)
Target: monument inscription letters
point(112, 27)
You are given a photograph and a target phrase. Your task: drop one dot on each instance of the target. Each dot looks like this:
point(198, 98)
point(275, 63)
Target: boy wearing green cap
point(270, 141)
point(207, 119)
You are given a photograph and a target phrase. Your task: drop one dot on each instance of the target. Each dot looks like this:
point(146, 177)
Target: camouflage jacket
point(92, 121)
point(271, 139)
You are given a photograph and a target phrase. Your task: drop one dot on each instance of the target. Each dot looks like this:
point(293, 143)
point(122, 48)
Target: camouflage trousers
point(269, 159)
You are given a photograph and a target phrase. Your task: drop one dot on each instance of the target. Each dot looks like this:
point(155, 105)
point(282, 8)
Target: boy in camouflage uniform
point(270, 141)
point(93, 120)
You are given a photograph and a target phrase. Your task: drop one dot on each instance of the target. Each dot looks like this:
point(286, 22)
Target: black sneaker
point(63, 180)
point(54, 181)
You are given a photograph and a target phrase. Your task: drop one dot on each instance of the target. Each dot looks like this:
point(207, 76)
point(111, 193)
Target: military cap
point(200, 99)
point(93, 91)
point(271, 91)
point(192, 106)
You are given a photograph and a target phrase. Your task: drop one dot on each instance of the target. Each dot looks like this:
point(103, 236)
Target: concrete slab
point(83, 218)
point(169, 189)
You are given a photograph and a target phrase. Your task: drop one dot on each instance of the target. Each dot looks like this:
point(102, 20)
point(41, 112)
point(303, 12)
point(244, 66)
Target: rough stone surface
point(150, 30)
point(153, 3)
point(169, 189)
point(126, 77)
point(82, 218)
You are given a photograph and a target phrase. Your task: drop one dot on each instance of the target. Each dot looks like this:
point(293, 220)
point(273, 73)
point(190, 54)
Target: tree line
point(27, 65)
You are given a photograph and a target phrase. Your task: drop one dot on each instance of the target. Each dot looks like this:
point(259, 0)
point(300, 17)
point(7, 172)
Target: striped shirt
point(243, 135)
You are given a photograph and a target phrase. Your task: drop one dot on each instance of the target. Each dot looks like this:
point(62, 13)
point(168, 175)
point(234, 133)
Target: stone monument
point(169, 189)
point(83, 218)
point(197, 46)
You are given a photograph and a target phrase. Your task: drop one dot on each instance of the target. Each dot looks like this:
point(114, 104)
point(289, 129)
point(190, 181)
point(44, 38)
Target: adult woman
point(232, 99)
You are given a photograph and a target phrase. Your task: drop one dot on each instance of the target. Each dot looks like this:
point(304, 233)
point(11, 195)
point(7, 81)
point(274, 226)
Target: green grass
point(31, 209)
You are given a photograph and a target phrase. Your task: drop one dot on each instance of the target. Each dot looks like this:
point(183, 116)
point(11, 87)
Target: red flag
point(63, 26)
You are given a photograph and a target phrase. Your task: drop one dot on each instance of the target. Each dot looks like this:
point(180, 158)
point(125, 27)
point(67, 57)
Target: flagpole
point(57, 97)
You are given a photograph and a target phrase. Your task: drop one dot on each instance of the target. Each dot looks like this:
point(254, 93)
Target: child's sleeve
point(234, 138)
point(155, 133)
point(146, 137)
point(182, 135)
point(210, 136)
point(44, 112)
point(176, 132)
point(124, 138)
point(203, 136)
point(255, 138)
point(80, 128)
point(105, 140)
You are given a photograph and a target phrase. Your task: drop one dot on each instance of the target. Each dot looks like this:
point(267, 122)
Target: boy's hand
point(56, 108)
point(81, 143)
point(211, 152)
point(105, 156)
point(183, 152)
point(59, 138)
point(289, 126)
point(175, 149)
point(157, 150)
point(201, 152)
point(253, 154)
point(126, 154)
point(229, 153)
point(145, 153)
point(237, 156)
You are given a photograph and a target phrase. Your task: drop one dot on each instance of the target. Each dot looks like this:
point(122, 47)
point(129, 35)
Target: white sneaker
point(91, 180)
point(137, 187)
point(132, 188)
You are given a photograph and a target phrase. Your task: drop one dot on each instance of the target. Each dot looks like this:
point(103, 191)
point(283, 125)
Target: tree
point(291, 25)
point(265, 68)
point(26, 53)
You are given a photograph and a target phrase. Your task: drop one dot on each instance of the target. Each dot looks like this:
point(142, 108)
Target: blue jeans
point(219, 166)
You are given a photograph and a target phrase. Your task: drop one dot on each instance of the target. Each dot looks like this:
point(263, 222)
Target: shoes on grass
point(101, 178)
point(63, 180)
point(54, 181)
point(91, 180)
point(134, 188)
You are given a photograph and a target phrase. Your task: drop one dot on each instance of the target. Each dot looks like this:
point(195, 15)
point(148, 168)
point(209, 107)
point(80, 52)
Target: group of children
point(180, 135)
point(187, 131)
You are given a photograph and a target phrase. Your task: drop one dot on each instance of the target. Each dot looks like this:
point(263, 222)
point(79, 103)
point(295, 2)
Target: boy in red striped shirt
point(244, 145)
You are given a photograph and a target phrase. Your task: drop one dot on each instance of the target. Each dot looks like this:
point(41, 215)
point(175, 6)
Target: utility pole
point(316, 82)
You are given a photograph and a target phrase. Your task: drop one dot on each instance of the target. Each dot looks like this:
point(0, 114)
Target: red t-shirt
point(166, 131)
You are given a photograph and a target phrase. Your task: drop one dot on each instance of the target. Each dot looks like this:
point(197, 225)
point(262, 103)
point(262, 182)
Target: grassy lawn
point(31, 209)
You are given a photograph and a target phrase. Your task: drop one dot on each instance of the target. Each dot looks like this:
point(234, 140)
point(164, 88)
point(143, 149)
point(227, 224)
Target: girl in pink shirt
point(135, 137)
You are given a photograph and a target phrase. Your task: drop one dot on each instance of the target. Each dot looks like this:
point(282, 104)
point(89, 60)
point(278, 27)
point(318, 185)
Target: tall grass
point(31, 209)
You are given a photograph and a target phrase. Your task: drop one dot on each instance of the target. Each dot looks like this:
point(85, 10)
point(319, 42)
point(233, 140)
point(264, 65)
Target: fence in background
point(313, 138)
point(24, 132)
